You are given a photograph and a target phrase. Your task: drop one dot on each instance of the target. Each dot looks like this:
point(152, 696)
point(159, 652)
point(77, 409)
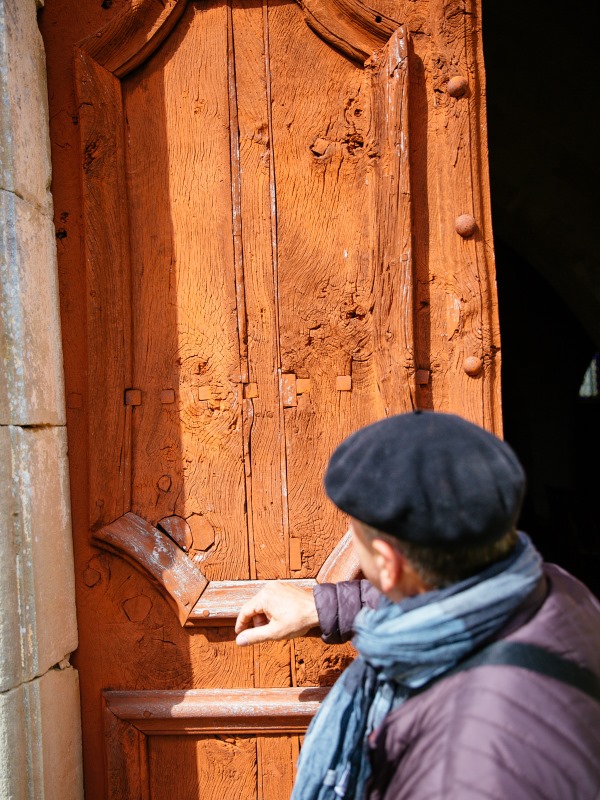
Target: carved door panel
point(252, 298)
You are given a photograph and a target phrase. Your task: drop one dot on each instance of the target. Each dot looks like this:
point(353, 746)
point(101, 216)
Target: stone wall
point(40, 747)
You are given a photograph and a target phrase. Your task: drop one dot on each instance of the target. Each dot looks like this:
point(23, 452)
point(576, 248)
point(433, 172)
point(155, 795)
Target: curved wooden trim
point(196, 601)
point(341, 564)
point(201, 711)
point(175, 575)
point(127, 40)
point(352, 27)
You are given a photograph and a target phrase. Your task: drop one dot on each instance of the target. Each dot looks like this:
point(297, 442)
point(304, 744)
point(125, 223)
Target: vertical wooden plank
point(345, 255)
point(489, 377)
point(125, 758)
point(393, 311)
point(320, 117)
point(189, 454)
point(108, 282)
point(208, 767)
point(276, 761)
point(256, 188)
point(465, 263)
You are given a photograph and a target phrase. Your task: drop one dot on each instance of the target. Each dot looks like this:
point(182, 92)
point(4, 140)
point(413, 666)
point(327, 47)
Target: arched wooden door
point(249, 236)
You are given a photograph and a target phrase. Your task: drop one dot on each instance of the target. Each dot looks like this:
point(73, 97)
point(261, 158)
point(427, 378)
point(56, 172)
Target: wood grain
point(106, 255)
point(189, 767)
point(217, 710)
point(321, 235)
point(268, 515)
point(393, 348)
point(161, 560)
point(341, 564)
point(276, 757)
point(238, 209)
point(185, 252)
point(352, 27)
point(221, 602)
point(125, 752)
point(344, 256)
point(128, 39)
point(460, 295)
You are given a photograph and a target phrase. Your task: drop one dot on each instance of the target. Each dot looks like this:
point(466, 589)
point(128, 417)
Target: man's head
point(443, 493)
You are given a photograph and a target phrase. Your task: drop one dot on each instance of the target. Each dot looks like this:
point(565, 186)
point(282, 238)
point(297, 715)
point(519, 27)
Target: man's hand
point(278, 611)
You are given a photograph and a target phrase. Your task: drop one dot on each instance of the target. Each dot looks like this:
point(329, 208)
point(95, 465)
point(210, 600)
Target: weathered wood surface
point(128, 39)
point(342, 295)
point(160, 559)
point(221, 601)
point(217, 710)
point(352, 27)
point(258, 255)
point(256, 210)
point(341, 564)
point(107, 258)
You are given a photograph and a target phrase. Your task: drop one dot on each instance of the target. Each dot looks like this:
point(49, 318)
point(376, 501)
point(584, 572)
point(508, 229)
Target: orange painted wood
point(178, 158)
point(106, 255)
point(254, 170)
point(341, 564)
point(164, 563)
point(202, 766)
point(125, 751)
point(245, 200)
point(353, 27)
point(344, 258)
point(276, 757)
point(221, 601)
point(129, 38)
point(217, 710)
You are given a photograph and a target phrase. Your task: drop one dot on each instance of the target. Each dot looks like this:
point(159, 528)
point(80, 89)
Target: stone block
point(13, 745)
point(24, 139)
point(61, 735)
point(40, 739)
point(31, 376)
point(36, 527)
point(10, 638)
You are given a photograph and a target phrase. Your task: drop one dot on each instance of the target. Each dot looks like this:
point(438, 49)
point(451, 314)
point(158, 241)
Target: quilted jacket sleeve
point(339, 603)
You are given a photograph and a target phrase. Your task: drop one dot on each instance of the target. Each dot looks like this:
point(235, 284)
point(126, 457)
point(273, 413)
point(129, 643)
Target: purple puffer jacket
point(494, 732)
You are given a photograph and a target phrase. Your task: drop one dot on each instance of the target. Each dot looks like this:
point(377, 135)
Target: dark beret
point(428, 478)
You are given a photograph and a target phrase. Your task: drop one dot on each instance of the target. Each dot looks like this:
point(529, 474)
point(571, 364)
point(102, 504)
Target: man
point(433, 502)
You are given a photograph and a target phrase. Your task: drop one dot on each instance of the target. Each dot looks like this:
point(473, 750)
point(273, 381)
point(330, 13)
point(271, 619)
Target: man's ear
point(390, 564)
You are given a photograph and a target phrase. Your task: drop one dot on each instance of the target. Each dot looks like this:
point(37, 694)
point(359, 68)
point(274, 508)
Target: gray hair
point(442, 565)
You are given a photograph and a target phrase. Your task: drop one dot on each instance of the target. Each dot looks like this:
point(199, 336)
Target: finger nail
point(242, 640)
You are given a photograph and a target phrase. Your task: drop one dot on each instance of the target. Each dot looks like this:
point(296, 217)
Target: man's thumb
point(251, 636)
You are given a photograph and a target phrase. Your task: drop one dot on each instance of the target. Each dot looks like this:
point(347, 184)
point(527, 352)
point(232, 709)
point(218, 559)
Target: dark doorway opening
point(554, 430)
point(544, 173)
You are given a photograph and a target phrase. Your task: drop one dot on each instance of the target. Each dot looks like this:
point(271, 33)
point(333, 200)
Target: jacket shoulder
point(499, 731)
point(494, 732)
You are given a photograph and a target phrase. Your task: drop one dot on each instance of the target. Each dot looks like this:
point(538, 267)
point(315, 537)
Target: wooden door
point(281, 240)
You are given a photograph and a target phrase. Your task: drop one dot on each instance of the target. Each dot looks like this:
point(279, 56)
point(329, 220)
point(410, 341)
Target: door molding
point(195, 600)
point(217, 711)
point(350, 26)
